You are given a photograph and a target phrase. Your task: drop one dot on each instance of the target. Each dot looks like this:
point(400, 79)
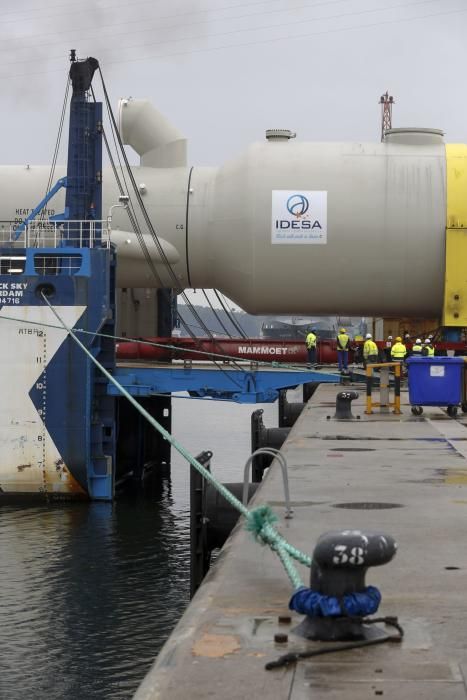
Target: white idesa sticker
point(437, 371)
point(299, 216)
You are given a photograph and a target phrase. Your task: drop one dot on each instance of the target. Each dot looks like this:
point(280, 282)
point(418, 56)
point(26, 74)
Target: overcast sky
point(224, 71)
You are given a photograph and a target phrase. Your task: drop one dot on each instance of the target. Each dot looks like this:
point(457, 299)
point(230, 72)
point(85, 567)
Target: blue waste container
point(435, 381)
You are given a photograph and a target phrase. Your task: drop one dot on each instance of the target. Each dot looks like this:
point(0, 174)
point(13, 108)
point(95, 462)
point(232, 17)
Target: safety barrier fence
point(384, 402)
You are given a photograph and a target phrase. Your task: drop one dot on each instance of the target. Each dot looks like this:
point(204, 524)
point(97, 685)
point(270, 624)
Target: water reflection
point(88, 595)
point(89, 592)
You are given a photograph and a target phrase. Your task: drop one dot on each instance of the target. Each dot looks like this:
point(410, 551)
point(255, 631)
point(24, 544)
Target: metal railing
point(285, 476)
point(56, 234)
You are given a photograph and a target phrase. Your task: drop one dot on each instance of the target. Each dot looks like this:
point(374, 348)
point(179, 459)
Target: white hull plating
point(30, 462)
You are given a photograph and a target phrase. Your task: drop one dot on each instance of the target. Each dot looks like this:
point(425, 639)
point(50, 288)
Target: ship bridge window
point(12, 264)
point(57, 264)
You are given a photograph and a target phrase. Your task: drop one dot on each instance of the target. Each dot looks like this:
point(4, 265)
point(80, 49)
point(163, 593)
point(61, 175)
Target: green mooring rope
point(166, 346)
point(259, 520)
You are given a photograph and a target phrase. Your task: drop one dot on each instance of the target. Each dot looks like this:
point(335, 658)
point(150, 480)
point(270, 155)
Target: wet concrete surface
point(404, 475)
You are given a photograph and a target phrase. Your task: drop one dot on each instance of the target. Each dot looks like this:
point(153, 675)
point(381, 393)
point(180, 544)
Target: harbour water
point(90, 592)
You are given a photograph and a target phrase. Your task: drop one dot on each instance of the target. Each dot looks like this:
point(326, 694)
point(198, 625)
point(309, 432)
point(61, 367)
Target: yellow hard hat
point(398, 339)
point(342, 330)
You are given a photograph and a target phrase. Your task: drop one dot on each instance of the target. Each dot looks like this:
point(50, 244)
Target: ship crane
point(59, 421)
point(66, 432)
point(288, 227)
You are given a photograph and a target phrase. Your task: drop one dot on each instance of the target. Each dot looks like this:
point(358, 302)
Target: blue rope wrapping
point(308, 602)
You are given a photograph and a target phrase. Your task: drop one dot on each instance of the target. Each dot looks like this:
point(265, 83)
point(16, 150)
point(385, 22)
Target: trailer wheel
point(417, 410)
point(452, 411)
point(464, 407)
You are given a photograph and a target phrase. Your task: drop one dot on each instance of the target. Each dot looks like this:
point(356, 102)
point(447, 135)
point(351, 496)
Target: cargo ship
point(295, 327)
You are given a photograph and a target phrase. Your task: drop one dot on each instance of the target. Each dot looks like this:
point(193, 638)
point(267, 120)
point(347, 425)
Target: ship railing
point(91, 233)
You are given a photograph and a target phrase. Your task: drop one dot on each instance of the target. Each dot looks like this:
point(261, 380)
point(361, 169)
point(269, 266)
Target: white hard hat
point(418, 341)
point(427, 340)
point(368, 335)
point(389, 337)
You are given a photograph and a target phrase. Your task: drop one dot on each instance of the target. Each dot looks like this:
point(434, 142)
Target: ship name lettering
point(261, 350)
point(13, 285)
point(11, 292)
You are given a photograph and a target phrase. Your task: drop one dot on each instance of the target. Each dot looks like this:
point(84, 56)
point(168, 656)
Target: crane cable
point(154, 234)
point(55, 154)
point(134, 221)
point(57, 143)
point(116, 137)
point(175, 280)
point(231, 318)
point(132, 214)
point(149, 224)
point(219, 320)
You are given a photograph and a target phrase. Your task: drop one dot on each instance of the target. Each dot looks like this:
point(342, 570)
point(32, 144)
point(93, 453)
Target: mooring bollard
point(343, 404)
point(338, 598)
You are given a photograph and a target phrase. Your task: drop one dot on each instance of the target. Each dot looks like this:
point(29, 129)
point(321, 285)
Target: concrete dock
point(404, 475)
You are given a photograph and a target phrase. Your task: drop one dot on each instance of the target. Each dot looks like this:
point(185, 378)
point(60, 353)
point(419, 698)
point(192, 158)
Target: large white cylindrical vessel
point(384, 207)
point(288, 227)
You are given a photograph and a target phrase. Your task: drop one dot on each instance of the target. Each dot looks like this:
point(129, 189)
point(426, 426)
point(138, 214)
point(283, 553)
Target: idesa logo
point(298, 205)
point(299, 216)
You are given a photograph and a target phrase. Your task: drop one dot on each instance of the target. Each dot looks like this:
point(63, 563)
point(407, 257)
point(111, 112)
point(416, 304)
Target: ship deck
point(404, 475)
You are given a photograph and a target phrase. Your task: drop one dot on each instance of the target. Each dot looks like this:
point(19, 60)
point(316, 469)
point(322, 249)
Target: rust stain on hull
point(62, 484)
point(22, 467)
point(29, 480)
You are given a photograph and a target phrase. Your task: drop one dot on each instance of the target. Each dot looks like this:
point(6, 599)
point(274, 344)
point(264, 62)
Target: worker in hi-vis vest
point(428, 349)
point(311, 341)
point(398, 350)
point(343, 342)
point(417, 348)
point(370, 351)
